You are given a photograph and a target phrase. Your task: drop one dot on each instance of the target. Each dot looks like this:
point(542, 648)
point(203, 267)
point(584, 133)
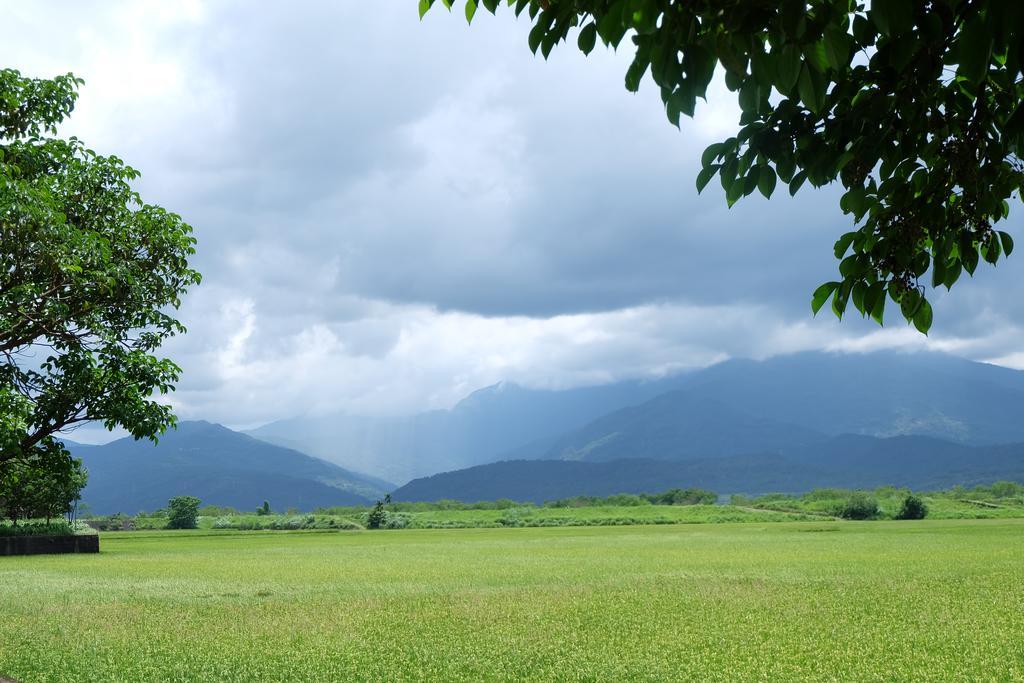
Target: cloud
point(392, 213)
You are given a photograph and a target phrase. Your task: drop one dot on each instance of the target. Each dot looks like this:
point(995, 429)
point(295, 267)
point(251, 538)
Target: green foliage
point(56, 528)
point(89, 278)
point(377, 517)
point(264, 510)
point(43, 487)
point(912, 508)
point(1001, 489)
point(859, 505)
point(956, 503)
point(182, 512)
point(689, 496)
point(912, 106)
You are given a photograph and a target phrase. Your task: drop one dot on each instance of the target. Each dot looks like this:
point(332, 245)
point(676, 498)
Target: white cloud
point(393, 213)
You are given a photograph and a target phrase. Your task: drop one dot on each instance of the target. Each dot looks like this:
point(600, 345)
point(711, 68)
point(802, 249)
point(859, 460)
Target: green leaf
point(821, 295)
point(970, 259)
point(837, 47)
point(424, 7)
point(857, 294)
point(952, 274)
point(974, 48)
point(874, 296)
point(1007, 242)
point(787, 66)
point(749, 96)
point(878, 309)
point(811, 87)
point(840, 299)
point(711, 153)
point(587, 38)
point(796, 182)
point(938, 270)
point(470, 10)
point(815, 56)
point(892, 17)
point(705, 176)
point(923, 317)
point(766, 181)
point(536, 35)
point(843, 244)
point(635, 73)
point(991, 249)
point(735, 191)
point(785, 167)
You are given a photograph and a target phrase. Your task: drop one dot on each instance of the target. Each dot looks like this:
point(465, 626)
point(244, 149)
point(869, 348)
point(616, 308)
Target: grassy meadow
point(933, 600)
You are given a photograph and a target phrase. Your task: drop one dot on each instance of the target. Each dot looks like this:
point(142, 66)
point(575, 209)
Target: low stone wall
point(45, 545)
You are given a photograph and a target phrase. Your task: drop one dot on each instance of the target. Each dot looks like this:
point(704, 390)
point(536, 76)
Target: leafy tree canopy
point(89, 278)
point(914, 106)
point(183, 512)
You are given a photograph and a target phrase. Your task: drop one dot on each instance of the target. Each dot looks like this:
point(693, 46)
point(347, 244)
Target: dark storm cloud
point(392, 213)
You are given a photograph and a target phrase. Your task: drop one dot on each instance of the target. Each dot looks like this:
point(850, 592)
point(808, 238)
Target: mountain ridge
point(217, 465)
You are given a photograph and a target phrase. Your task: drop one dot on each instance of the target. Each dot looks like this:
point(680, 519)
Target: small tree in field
point(377, 517)
point(859, 506)
point(912, 508)
point(44, 488)
point(182, 512)
point(264, 509)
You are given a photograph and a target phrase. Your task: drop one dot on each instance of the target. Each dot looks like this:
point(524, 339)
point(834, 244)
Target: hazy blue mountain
point(680, 425)
point(921, 463)
point(786, 403)
point(219, 466)
point(481, 428)
point(540, 480)
point(733, 408)
point(876, 394)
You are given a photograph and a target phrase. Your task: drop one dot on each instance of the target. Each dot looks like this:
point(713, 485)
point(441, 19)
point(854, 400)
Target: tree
point(377, 517)
point(182, 512)
point(859, 506)
point(912, 507)
point(89, 278)
point(44, 487)
point(913, 106)
point(264, 509)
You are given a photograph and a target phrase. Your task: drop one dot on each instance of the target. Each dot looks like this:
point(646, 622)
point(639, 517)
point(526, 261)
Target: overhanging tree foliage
point(914, 106)
point(89, 277)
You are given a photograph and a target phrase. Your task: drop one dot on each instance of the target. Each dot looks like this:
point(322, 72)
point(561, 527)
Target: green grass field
point(878, 601)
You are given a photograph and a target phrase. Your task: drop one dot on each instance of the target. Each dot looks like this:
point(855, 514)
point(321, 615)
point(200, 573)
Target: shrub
point(397, 520)
point(56, 528)
point(912, 508)
point(223, 523)
point(859, 506)
point(182, 512)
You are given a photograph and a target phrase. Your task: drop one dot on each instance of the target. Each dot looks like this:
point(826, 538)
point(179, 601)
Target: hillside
point(737, 407)
point(680, 425)
point(847, 461)
point(217, 465)
point(481, 428)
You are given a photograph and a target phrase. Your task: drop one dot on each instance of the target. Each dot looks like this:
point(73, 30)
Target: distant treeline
point(823, 501)
point(888, 502)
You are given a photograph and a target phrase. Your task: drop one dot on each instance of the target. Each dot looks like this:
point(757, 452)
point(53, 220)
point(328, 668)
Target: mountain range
point(218, 466)
point(484, 427)
point(788, 423)
point(917, 462)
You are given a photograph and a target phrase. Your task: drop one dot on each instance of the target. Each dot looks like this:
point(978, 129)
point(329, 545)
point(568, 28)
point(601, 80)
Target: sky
point(392, 213)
